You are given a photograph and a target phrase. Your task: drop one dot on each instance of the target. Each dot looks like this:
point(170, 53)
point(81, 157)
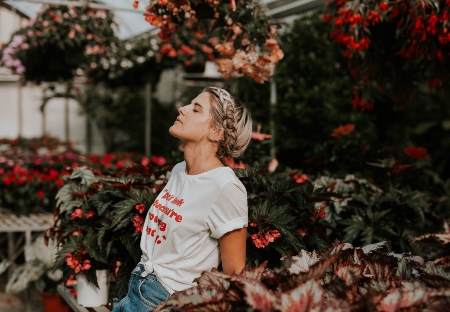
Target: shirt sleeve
point(229, 210)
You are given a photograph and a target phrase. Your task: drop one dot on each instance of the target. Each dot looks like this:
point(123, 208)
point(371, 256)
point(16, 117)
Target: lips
point(178, 119)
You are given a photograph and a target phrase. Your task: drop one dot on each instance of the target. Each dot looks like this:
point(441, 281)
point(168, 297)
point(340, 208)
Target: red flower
point(59, 183)
point(90, 214)
point(253, 224)
point(40, 193)
point(140, 208)
point(383, 6)
point(161, 161)
point(135, 4)
point(76, 233)
point(77, 214)
point(416, 152)
point(343, 130)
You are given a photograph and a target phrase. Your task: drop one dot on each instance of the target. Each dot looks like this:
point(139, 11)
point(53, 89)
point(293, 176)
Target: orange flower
point(416, 152)
point(343, 130)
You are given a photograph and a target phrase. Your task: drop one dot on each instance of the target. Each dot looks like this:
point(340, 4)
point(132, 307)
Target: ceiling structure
point(131, 21)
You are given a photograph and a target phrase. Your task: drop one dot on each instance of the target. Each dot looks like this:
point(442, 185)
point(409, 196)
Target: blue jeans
point(144, 293)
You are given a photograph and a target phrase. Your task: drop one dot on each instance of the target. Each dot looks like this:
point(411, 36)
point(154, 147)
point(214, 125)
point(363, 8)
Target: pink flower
point(273, 165)
point(77, 214)
point(160, 161)
point(260, 136)
point(76, 233)
point(253, 224)
point(145, 161)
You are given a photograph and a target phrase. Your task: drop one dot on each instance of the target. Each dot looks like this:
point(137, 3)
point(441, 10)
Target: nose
point(181, 110)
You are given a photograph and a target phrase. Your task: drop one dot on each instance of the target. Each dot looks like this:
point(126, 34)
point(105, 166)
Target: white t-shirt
point(180, 236)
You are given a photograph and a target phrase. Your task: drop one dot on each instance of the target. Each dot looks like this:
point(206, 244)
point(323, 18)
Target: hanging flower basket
point(60, 40)
point(236, 35)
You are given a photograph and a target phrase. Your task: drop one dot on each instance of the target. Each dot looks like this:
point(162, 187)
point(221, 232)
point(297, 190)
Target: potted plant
point(38, 270)
point(98, 223)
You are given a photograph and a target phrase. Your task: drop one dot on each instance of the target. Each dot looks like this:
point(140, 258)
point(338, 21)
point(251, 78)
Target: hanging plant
point(133, 63)
point(392, 45)
point(243, 40)
point(60, 40)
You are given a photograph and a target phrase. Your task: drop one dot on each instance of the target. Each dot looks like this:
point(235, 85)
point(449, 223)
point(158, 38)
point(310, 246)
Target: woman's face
point(193, 120)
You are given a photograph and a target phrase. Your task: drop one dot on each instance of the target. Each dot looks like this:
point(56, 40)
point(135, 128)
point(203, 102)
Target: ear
point(216, 134)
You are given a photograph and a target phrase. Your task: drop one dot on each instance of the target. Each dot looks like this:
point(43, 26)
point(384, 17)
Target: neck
point(200, 158)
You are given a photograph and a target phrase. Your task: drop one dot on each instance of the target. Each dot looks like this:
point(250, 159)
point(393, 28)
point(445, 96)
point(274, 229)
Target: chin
point(173, 131)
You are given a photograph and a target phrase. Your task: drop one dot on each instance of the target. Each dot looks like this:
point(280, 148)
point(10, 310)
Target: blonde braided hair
point(235, 120)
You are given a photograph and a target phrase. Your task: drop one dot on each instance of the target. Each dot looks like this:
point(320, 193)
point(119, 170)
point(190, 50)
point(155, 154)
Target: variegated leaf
point(256, 295)
point(213, 279)
point(306, 297)
point(190, 298)
point(369, 248)
point(303, 262)
point(434, 269)
point(349, 273)
point(256, 273)
point(400, 299)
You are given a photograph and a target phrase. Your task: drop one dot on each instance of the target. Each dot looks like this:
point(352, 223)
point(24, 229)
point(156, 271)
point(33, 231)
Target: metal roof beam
point(84, 3)
point(284, 8)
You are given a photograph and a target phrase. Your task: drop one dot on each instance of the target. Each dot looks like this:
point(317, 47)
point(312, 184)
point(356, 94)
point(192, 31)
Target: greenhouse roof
point(132, 22)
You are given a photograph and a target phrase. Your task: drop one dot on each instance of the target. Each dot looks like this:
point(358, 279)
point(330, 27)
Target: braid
point(235, 121)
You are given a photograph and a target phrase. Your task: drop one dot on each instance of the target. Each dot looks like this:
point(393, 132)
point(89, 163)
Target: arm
point(232, 251)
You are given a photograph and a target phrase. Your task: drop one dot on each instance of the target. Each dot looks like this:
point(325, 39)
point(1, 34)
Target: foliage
point(60, 40)
point(341, 278)
point(241, 33)
point(282, 217)
point(391, 45)
point(37, 269)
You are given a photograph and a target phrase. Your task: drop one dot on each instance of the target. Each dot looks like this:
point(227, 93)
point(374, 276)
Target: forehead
point(203, 99)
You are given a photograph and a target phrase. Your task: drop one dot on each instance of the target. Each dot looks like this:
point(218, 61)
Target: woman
point(199, 220)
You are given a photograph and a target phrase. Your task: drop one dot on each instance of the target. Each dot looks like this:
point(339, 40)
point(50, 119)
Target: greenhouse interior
point(239, 155)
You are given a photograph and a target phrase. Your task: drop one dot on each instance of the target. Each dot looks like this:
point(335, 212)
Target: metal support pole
point(148, 116)
point(20, 108)
point(66, 119)
point(273, 103)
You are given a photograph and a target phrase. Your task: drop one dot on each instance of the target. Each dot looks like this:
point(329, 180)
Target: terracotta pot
point(54, 303)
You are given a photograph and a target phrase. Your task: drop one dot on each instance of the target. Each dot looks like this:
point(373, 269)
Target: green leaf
point(86, 176)
point(132, 247)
